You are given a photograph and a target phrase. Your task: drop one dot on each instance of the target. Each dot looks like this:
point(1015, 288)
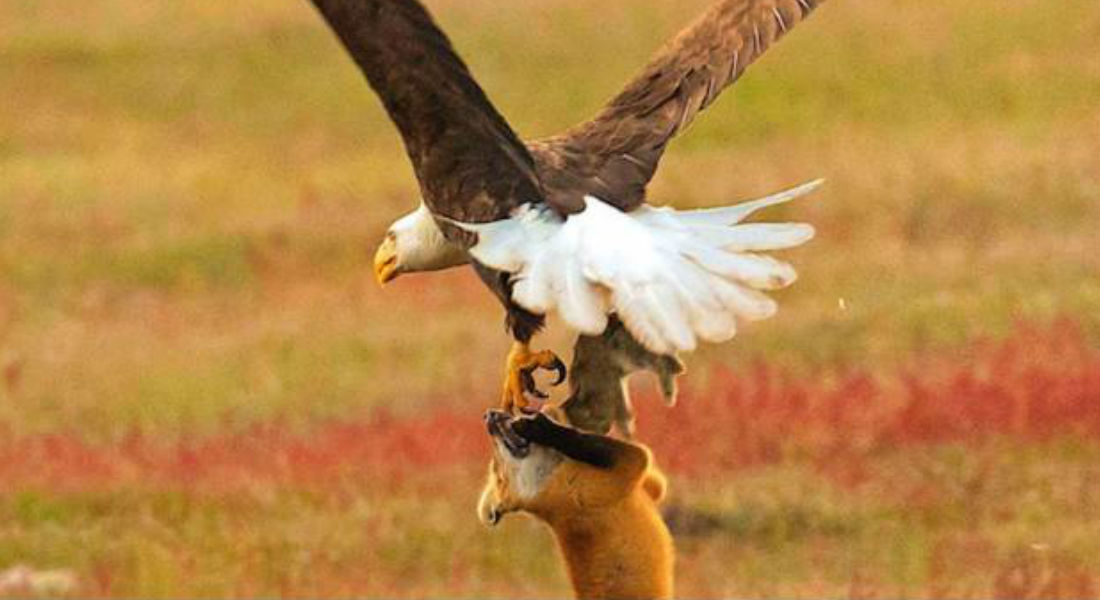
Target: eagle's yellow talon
point(517, 377)
point(514, 398)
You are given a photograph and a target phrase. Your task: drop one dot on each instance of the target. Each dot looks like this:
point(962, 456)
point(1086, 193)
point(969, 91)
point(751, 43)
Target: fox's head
point(551, 470)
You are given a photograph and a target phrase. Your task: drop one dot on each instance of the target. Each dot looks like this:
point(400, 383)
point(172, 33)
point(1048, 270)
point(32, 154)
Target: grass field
point(204, 393)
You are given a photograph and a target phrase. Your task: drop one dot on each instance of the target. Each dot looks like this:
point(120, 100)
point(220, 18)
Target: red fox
point(598, 494)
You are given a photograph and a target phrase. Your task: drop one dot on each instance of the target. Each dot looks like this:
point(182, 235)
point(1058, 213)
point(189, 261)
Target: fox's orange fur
point(605, 519)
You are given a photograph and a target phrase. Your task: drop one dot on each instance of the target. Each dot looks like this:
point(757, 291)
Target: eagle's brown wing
point(470, 164)
point(614, 155)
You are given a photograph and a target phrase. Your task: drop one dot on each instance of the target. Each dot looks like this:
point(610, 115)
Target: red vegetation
point(375, 450)
point(1041, 382)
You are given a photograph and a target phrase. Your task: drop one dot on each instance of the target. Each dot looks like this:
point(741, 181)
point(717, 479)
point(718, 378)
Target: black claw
point(558, 366)
point(529, 386)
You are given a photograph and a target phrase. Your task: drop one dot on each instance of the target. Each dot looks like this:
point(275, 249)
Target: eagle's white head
point(413, 244)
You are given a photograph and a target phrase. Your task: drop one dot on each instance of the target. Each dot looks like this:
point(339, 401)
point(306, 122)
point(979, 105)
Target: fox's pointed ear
point(596, 450)
point(537, 428)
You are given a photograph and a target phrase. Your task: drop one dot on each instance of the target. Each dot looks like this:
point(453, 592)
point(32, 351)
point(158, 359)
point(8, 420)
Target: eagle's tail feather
point(673, 277)
point(731, 215)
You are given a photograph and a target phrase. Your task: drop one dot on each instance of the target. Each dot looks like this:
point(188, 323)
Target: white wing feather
point(672, 276)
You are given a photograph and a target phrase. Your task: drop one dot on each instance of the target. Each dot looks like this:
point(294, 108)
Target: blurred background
point(204, 393)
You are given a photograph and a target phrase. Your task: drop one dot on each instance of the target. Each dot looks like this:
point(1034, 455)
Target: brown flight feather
point(614, 155)
point(470, 165)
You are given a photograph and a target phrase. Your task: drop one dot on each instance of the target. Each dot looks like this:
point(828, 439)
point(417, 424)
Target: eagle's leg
point(518, 379)
point(523, 325)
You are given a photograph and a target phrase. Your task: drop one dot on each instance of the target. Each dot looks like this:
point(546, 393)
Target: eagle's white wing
point(672, 276)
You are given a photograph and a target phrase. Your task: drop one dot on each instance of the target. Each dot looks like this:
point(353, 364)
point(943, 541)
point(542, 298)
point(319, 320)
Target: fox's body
point(599, 495)
point(621, 551)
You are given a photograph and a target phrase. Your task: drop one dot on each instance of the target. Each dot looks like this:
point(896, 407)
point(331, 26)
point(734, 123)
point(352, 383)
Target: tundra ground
point(203, 392)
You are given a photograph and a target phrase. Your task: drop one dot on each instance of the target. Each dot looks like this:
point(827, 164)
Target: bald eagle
point(561, 224)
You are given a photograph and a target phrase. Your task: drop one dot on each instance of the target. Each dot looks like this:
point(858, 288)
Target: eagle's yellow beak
point(385, 261)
